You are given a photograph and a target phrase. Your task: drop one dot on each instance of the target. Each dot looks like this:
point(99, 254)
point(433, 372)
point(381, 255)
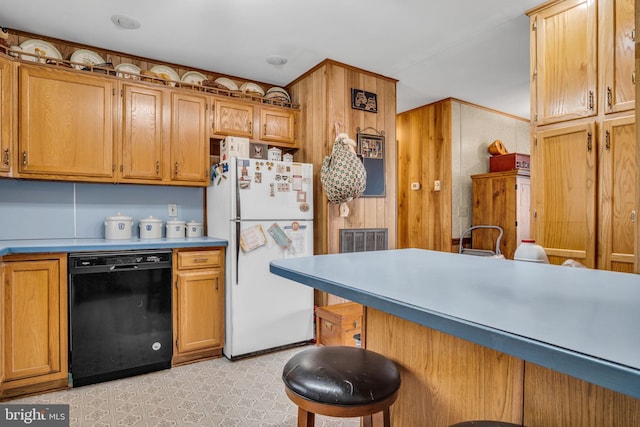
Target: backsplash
point(60, 210)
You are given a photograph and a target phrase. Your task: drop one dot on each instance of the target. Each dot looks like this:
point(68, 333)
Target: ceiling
point(476, 51)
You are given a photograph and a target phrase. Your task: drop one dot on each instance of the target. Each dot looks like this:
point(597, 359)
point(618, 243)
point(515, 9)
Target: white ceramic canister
point(150, 228)
point(175, 229)
point(194, 229)
point(529, 251)
point(118, 226)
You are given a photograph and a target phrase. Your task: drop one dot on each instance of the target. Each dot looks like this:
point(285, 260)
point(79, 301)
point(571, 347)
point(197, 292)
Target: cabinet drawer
point(199, 259)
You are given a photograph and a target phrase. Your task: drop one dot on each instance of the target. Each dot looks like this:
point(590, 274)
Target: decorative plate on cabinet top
point(278, 93)
point(252, 88)
point(166, 73)
point(193, 77)
point(39, 48)
point(128, 71)
point(228, 83)
point(84, 58)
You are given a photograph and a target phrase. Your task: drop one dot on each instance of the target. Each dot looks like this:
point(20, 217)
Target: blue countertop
point(582, 322)
point(83, 245)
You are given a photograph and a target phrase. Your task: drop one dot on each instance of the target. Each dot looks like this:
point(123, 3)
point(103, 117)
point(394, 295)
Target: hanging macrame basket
point(343, 175)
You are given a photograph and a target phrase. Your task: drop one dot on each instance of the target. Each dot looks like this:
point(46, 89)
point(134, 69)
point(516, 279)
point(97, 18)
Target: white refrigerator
point(264, 209)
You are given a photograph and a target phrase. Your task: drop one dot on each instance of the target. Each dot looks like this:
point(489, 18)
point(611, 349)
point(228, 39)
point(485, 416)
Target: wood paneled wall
point(447, 142)
point(324, 96)
point(424, 155)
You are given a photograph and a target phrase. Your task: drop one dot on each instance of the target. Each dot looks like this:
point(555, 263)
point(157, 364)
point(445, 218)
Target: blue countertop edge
point(616, 377)
point(9, 247)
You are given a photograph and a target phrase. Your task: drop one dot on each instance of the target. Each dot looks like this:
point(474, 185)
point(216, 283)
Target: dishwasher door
point(120, 318)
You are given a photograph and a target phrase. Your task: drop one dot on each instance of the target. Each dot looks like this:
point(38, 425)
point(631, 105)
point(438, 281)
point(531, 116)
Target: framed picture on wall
point(363, 100)
point(370, 149)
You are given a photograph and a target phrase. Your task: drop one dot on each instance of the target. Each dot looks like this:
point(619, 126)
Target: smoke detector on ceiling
point(125, 22)
point(276, 60)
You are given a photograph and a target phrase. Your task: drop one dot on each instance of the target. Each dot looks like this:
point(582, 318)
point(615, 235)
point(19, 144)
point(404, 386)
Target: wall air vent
point(363, 239)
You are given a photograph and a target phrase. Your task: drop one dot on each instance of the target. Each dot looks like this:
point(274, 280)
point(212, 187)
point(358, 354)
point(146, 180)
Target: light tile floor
point(244, 393)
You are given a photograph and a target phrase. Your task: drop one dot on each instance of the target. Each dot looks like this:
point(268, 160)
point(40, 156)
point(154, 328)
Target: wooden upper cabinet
point(564, 188)
point(189, 139)
point(66, 124)
point(142, 133)
point(617, 40)
point(617, 195)
point(7, 114)
point(564, 37)
point(232, 118)
point(278, 125)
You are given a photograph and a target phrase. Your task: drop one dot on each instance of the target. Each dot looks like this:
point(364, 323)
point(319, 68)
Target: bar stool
point(485, 424)
point(341, 381)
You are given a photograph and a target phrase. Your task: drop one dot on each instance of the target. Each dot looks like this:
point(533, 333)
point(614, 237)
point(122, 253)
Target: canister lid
point(119, 217)
point(175, 222)
point(194, 223)
point(151, 219)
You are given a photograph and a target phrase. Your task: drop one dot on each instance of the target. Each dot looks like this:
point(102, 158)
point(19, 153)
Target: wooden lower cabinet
point(502, 199)
point(35, 336)
point(564, 193)
point(198, 304)
point(617, 195)
point(584, 193)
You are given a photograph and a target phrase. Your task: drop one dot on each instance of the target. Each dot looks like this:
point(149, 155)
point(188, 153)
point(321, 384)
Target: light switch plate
point(173, 209)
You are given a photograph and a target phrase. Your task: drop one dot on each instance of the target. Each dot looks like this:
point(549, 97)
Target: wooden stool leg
point(305, 418)
point(379, 419)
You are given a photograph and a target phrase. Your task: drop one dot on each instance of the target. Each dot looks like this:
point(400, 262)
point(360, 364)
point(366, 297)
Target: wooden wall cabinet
point(7, 113)
point(155, 120)
point(564, 61)
point(189, 159)
point(66, 125)
point(232, 118)
point(584, 185)
point(270, 125)
point(35, 338)
point(277, 125)
point(198, 299)
point(502, 199)
point(617, 66)
point(142, 155)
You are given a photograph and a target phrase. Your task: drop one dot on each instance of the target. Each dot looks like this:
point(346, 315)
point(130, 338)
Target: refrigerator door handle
point(238, 216)
point(237, 250)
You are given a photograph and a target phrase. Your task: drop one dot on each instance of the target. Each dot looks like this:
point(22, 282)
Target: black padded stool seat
point(485, 424)
point(341, 381)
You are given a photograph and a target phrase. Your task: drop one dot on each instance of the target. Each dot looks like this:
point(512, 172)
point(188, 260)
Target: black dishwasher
point(120, 321)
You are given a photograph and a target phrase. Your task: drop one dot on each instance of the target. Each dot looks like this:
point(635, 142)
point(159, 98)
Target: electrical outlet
point(173, 209)
point(436, 185)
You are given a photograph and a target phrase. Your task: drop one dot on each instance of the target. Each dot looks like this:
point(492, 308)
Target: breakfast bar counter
point(488, 338)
